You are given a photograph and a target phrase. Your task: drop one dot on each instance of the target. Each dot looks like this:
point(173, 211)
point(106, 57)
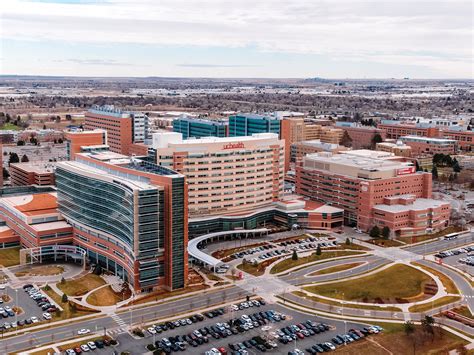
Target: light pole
point(16, 312)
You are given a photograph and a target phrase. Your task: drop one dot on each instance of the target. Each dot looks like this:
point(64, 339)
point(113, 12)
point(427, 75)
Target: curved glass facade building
point(129, 215)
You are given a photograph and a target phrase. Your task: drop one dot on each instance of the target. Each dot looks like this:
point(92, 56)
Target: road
point(212, 298)
point(161, 311)
point(439, 245)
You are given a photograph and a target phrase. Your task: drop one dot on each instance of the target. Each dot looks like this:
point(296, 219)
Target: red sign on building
point(234, 145)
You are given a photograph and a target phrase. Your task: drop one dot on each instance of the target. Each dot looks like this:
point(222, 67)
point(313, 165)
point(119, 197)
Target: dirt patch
point(43, 270)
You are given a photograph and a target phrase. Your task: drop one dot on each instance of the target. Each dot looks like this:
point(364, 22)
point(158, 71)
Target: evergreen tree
point(294, 256)
point(346, 140)
point(386, 232)
point(375, 232)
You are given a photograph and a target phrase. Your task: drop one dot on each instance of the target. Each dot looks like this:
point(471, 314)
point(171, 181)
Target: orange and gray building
point(356, 181)
point(408, 216)
point(32, 173)
point(129, 215)
point(79, 141)
point(123, 127)
point(431, 146)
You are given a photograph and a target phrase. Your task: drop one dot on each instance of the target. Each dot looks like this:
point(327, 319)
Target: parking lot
point(270, 330)
point(20, 298)
point(283, 248)
point(461, 258)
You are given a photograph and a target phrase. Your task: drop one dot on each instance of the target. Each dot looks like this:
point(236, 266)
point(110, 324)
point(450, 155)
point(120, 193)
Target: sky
point(244, 38)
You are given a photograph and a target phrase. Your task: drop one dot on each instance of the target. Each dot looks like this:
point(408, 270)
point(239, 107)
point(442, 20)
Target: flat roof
point(35, 204)
point(36, 167)
point(418, 204)
point(429, 139)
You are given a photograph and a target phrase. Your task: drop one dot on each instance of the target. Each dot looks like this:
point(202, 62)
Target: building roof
point(36, 167)
point(36, 204)
point(419, 204)
point(427, 139)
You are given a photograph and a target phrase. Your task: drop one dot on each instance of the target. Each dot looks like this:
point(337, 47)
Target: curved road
point(301, 276)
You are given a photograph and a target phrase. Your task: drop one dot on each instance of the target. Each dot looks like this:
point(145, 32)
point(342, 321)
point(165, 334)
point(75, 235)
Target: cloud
point(108, 62)
point(384, 31)
point(197, 65)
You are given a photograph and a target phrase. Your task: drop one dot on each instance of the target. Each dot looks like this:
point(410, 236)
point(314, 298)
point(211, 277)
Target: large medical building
point(225, 175)
point(129, 215)
point(356, 181)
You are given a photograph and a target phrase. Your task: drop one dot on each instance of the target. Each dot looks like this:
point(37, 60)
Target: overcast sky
point(238, 38)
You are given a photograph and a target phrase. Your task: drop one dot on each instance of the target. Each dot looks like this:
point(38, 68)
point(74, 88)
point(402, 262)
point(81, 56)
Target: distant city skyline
point(212, 38)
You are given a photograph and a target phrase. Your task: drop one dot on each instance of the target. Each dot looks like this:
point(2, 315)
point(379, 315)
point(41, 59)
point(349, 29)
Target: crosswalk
point(118, 320)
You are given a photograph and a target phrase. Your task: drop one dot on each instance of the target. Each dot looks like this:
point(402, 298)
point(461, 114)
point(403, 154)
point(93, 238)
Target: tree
point(318, 250)
point(44, 126)
point(68, 117)
point(408, 328)
point(418, 168)
point(348, 241)
point(294, 256)
point(63, 280)
point(6, 174)
point(456, 166)
point(346, 140)
point(64, 298)
point(20, 143)
point(386, 232)
point(24, 159)
point(427, 324)
point(374, 232)
point(377, 138)
point(13, 158)
point(60, 141)
point(434, 172)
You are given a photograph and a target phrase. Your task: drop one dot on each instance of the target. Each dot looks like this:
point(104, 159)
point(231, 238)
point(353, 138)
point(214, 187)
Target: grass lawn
point(337, 268)
point(394, 341)
point(104, 296)
point(339, 304)
point(163, 294)
point(386, 243)
point(10, 256)
point(289, 263)
point(81, 286)
point(391, 285)
point(445, 280)
point(69, 311)
point(49, 351)
point(256, 270)
point(437, 303)
point(10, 127)
point(44, 270)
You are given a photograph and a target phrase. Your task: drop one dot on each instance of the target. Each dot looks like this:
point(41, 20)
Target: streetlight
point(16, 312)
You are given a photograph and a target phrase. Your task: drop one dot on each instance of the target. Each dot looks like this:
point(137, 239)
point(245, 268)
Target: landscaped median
point(70, 309)
point(345, 305)
point(337, 268)
point(443, 301)
point(445, 280)
point(398, 283)
point(289, 263)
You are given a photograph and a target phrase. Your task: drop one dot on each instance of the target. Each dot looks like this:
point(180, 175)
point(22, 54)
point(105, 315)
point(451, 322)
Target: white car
point(234, 308)
point(2, 286)
point(330, 345)
point(34, 320)
point(70, 352)
point(83, 331)
point(84, 348)
point(152, 330)
point(8, 308)
point(91, 345)
point(47, 316)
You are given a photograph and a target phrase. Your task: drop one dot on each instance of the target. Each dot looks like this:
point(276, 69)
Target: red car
point(223, 351)
point(300, 335)
point(78, 350)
